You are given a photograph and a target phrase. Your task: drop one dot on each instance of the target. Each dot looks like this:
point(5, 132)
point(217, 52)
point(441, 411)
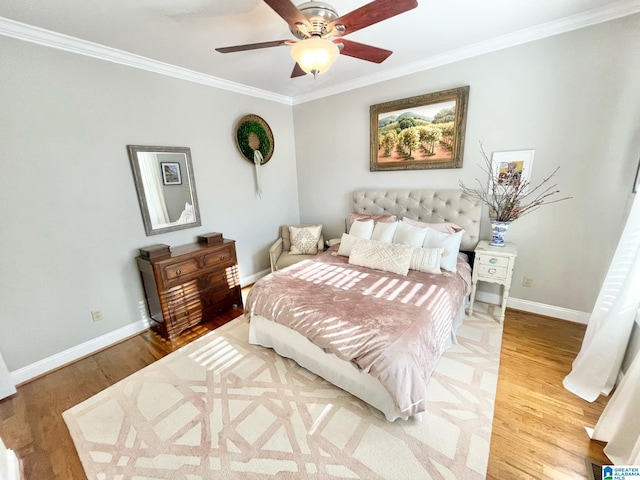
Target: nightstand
point(494, 265)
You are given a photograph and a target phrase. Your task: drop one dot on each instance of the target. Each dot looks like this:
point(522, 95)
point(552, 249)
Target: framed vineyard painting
point(420, 132)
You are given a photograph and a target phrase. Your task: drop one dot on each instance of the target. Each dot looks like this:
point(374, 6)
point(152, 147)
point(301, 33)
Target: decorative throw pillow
point(388, 257)
point(367, 216)
point(444, 227)
point(304, 240)
point(383, 232)
point(409, 235)
point(426, 260)
point(361, 229)
point(346, 244)
point(450, 243)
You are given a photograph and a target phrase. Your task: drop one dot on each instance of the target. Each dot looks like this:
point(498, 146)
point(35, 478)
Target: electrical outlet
point(527, 281)
point(96, 315)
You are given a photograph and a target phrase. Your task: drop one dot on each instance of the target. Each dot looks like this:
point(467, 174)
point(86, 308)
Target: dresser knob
point(178, 271)
point(221, 257)
point(492, 271)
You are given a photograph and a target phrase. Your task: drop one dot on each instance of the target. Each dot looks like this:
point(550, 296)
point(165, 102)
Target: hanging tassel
point(257, 161)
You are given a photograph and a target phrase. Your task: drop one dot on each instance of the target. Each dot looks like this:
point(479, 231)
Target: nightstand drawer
point(493, 261)
point(490, 271)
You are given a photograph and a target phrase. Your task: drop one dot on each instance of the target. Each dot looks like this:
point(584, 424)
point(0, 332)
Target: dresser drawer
point(186, 315)
point(219, 257)
point(182, 293)
point(218, 279)
point(489, 271)
point(180, 269)
point(212, 297)
point(179, 318)
point(493, 261)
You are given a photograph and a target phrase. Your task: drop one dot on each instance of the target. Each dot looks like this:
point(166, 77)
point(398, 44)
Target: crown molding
point(609, 12)
point(48, 38)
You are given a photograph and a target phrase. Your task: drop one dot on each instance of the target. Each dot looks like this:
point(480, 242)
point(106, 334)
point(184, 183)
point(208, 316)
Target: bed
point(378, 335)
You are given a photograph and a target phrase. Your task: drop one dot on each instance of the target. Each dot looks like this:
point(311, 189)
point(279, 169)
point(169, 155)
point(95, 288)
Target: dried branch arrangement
point(510, 197)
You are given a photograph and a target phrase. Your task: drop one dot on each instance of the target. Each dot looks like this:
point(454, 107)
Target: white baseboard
point(65, 357)
point(87, 348)
point(72, 354)
point(535, 307)
point(254, 278)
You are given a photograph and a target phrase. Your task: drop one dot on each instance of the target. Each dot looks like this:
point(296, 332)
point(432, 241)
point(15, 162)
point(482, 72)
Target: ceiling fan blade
point(371, 13)
point(297, 71)
point(363, 52)
point(288, 11)
point(254, 46)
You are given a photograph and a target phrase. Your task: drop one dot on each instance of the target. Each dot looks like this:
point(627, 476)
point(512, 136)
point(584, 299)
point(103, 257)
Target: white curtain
point(9, 465)
point(152, 182)
point(596, 367)
point(619, 424)
point(6, 383)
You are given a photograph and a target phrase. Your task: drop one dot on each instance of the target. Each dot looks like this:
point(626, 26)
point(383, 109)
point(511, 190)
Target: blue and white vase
point(498, 230)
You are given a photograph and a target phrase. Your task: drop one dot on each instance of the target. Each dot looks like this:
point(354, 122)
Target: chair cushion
point(286, 259)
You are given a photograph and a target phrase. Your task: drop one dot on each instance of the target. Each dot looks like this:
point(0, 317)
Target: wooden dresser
point(191, 284)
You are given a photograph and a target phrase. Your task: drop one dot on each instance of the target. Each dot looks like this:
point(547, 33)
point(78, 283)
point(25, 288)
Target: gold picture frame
point(422, 132)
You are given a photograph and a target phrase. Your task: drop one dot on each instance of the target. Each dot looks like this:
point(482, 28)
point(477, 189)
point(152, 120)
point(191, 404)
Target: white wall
point(70, 224)
point(573, 98)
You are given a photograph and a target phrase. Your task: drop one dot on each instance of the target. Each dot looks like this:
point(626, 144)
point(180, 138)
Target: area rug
point(220, 408)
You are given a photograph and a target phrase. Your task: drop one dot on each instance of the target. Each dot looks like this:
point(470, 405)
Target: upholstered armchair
point(296, 243)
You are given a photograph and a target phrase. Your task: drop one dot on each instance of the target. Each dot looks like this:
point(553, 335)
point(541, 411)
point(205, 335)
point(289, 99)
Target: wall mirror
point(166, 188)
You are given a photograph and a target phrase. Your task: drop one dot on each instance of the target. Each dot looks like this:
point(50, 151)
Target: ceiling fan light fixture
point(315, 55)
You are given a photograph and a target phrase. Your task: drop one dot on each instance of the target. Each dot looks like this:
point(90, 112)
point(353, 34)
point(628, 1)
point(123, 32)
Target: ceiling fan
point(315, 24)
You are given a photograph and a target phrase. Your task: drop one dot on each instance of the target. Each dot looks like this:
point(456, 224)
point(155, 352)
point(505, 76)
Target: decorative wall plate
point(253, 133)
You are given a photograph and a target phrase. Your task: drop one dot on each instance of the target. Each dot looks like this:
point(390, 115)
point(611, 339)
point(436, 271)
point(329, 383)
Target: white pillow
point(383, 232)
point(362, 229)
point(304, 240)
point(426, 259)
point(449, 242)
point(346, 243)
point(409, 235)
point(388, 257)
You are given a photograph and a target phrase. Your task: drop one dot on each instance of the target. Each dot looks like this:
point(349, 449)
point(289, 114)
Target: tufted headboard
point(431, 206)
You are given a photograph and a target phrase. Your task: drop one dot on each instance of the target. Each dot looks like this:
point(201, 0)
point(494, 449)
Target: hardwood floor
point(537, 429)
point(538, 426)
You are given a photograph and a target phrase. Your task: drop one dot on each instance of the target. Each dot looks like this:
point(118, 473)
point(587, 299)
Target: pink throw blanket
point(393, 327)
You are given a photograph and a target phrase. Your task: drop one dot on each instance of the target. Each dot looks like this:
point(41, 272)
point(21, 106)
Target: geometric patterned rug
point(221, 408)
